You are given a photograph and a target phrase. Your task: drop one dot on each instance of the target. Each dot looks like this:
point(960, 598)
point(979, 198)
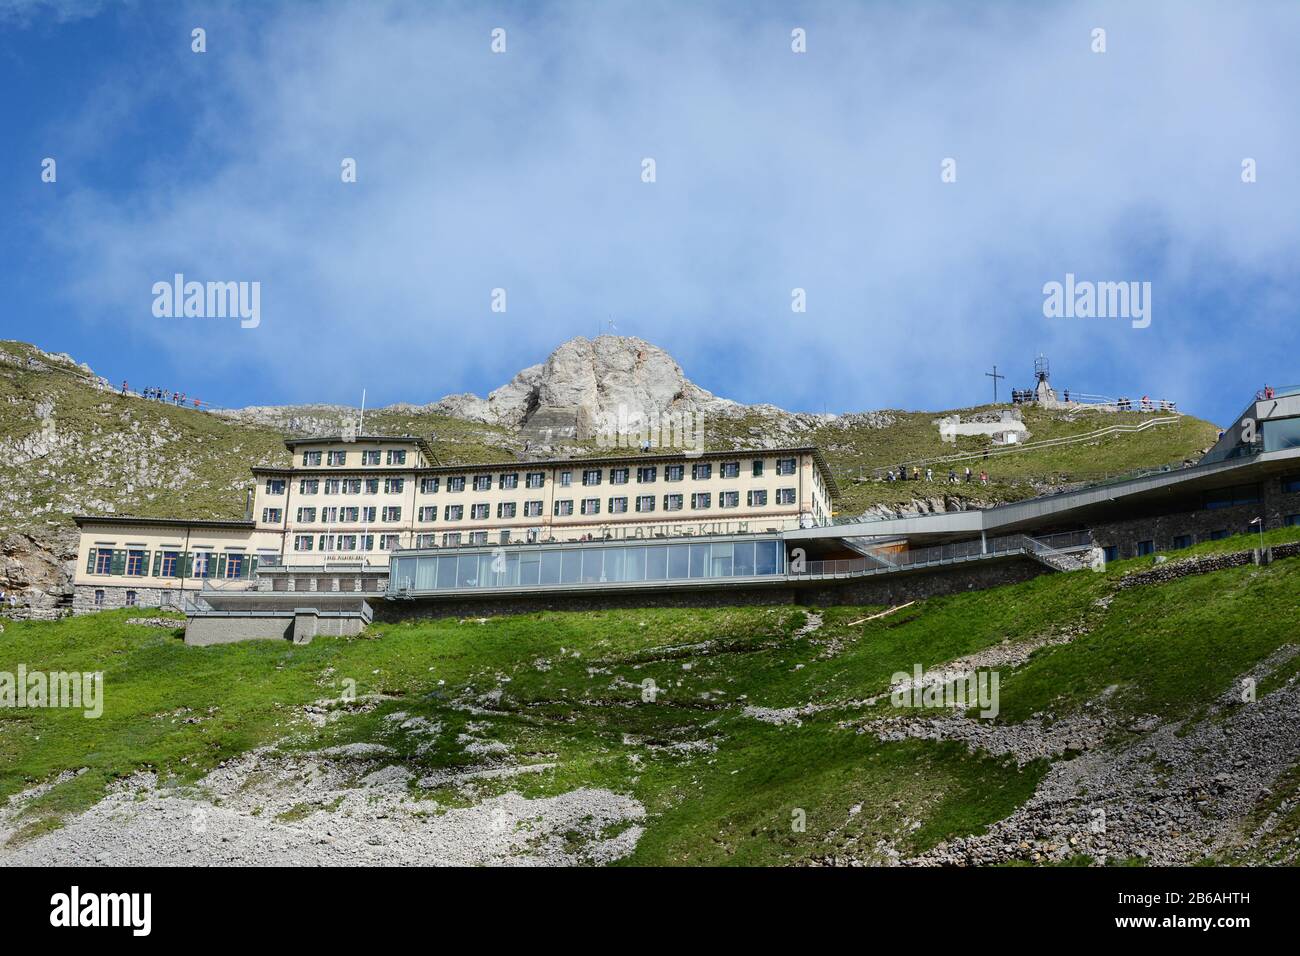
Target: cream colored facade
point(344, 501)
point(338, 502)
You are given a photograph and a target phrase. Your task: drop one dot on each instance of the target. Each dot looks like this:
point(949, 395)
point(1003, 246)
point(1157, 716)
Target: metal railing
point(946, 554)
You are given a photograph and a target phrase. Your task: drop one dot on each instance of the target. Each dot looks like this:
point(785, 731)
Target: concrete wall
point(204, 631)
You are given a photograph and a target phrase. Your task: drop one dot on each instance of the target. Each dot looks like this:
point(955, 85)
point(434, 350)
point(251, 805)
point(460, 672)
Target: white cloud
point(774, 171)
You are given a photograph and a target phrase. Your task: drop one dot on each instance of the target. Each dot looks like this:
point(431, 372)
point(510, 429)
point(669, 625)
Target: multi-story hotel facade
point(346, 501)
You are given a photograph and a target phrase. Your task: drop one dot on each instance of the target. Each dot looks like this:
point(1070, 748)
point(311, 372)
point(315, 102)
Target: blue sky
point(774, 171)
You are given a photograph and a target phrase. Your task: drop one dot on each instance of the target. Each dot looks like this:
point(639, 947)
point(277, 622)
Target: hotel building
point(355, 501)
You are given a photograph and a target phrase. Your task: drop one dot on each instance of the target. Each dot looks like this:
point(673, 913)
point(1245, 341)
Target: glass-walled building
point(577, 564)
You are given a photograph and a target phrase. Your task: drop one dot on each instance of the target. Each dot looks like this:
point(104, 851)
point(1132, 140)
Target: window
point(99, 597)
point(303, 542)
point(453, 513)
point(563, 508)
point(450, 539)
point(673, 502)
point(309, 486)
point(429, 513)
point(617, 506)
point(130, 599)
point(591, 506)
point(103, 558)
point(306, 515)
point(1290, 483)
point(619, 476)
point(479, 512)
point(1293, 520)
point(757, 468)
point(167, 568)
point(337, 458)
point(352, 486)
point(729, 469)
point(392, 513)
point(482, 482)
point(426, 540)
point(535, 479)
point(350, 515)
point(506, 509)
point(135, 563)
point(1182, 541)
point(785, 466)
point(1145, 548)
point(701, 470)
point(368, 513)
point(566, 479)
point(390, 542)
point(645, 503)
point(701, 500)
point(275, 486)
point(729, 499)
point(428, 486)
point(1218, 535)
point(647, 474)
point(394, 486)
point(756, 498)
point(478, 537)
point(203, 564)
point(332, 486)
point(310, 459)
point(370, 456)
point(1110, 553)
point(234, 565)
point(1231, 497)
point(456, 484)
point(591, 476)
point(509, 481)
point(396, 456)
point(674, 472)
point(785, 496)
point(367, 542)
point(372, 486)
point(532, 509)
point(329, 515)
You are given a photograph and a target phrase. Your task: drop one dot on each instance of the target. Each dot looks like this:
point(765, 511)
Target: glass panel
point(593, 565)
point(426, 572)
point(466, 570)
point(614, 559)
point(720, 561)
point(678, 560)
point(403, 571)
point(1281, 434)
point(486, 576)
point(765, 557)
point(511, 576)
point(550, 567)
point(634, 564)
point(530, 566)
point(571, 568)
point(744, 565)
point(656, 563)
point(446, 572)
point(699, 560)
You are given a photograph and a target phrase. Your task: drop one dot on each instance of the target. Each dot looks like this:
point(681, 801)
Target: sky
point(824, 171)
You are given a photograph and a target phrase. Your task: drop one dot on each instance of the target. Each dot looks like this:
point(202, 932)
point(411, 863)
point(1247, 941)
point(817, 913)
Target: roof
point(137, 521)
point(421, 443)
point(632, 457)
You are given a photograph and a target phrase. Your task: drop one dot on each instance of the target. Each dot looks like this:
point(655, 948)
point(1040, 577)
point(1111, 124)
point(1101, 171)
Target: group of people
point(953, 477)
point(1125, 404)
point(162, 395)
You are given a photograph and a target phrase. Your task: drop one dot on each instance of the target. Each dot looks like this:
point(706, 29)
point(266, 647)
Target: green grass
point(566, 688)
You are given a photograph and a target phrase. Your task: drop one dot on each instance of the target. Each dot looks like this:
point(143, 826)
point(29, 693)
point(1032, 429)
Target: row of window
point(164, 563)
point(590, 477)
point(700, 501)
point(369, 456)
point(346, 542)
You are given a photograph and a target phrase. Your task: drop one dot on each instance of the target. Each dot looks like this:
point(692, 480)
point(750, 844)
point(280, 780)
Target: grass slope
point(719, 785)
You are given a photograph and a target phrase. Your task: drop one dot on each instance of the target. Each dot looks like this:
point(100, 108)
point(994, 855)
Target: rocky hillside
point(70, 443)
